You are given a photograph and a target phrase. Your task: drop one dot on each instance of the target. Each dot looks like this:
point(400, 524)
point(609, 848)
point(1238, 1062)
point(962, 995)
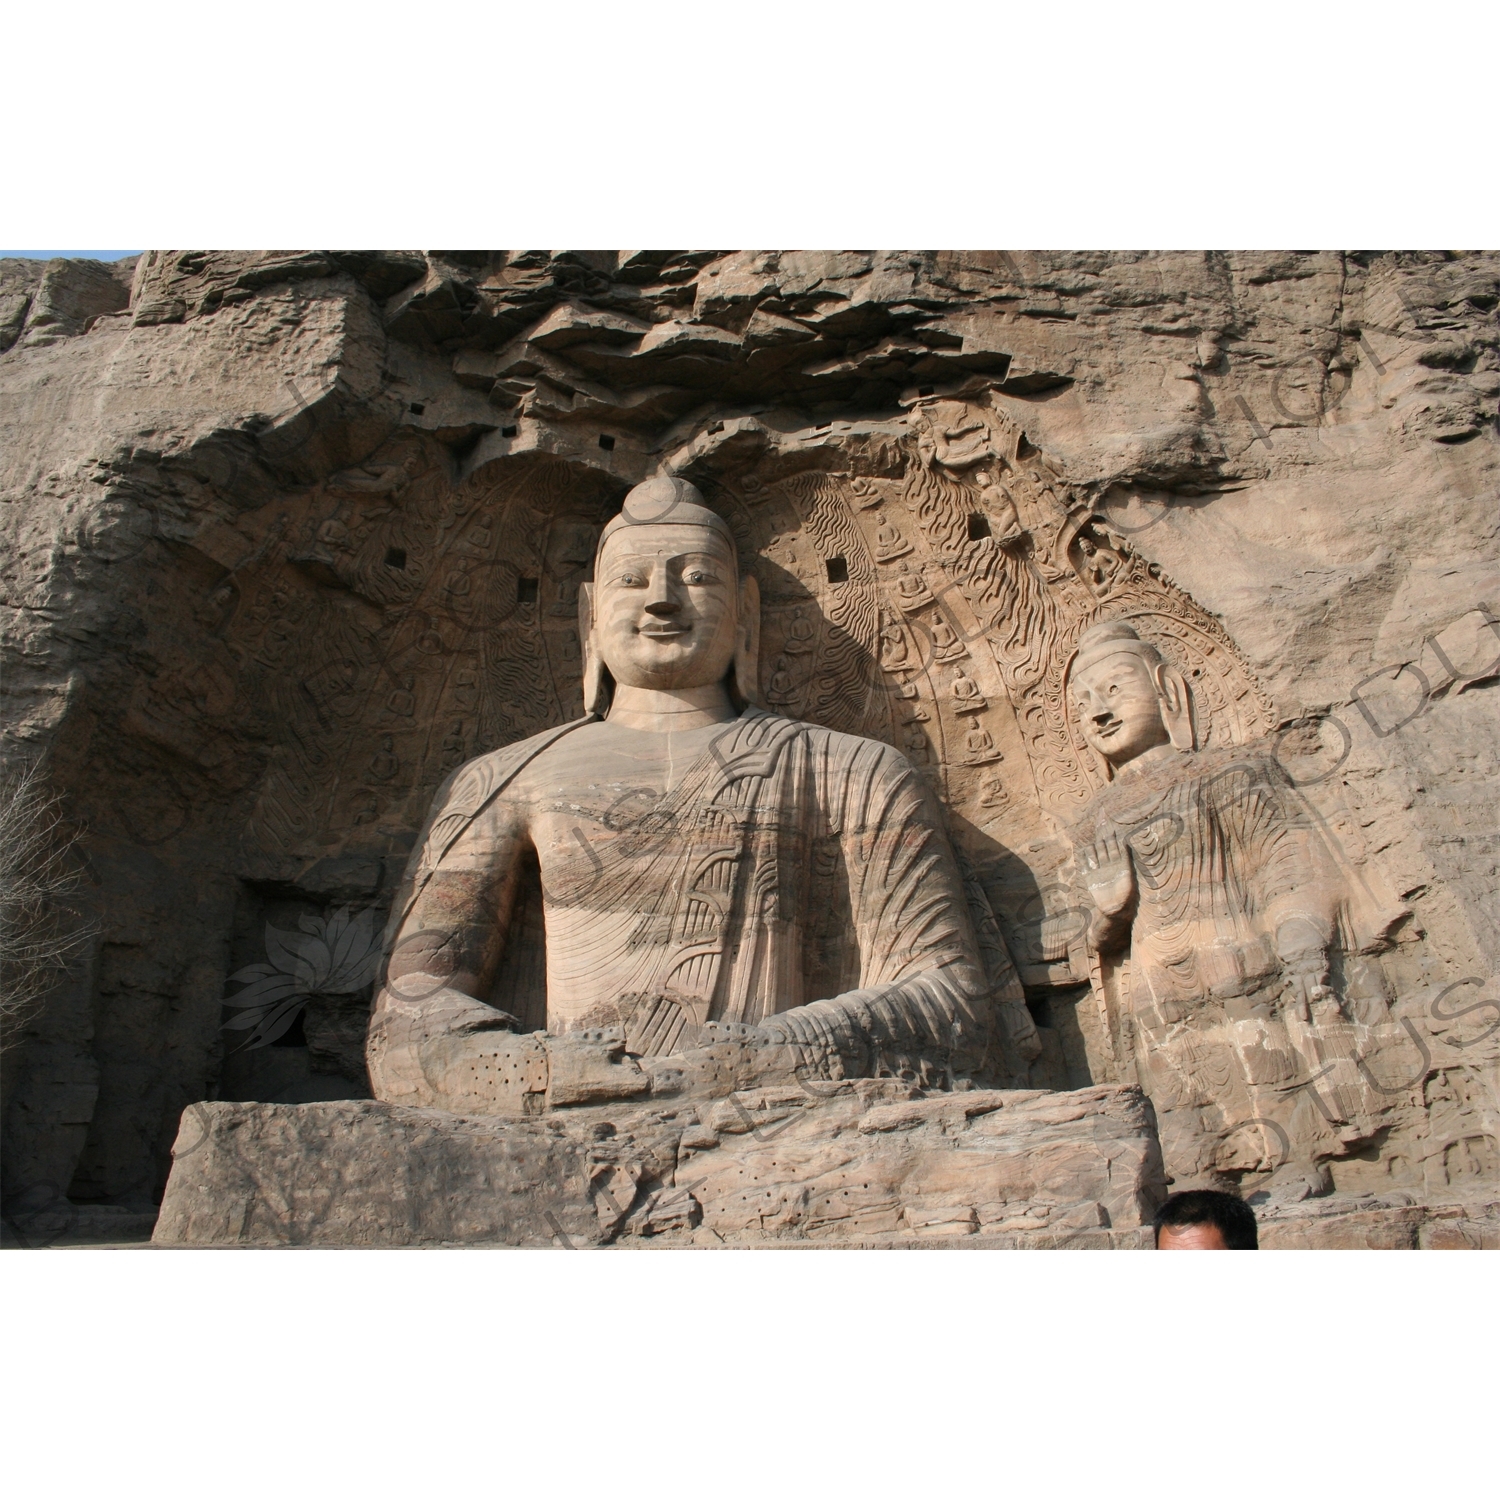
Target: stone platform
point(861, 1163)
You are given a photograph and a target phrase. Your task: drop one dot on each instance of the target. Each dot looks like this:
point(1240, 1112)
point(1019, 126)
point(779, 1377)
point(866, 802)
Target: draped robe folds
point(1225, 852)
point(696, 905)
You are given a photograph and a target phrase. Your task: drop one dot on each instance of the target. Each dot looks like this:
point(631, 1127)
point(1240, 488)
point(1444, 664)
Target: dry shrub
point(40, 933)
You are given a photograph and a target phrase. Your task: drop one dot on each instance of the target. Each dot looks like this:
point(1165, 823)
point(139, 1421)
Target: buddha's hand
point(1108, 875)
point(425, 1037)
point(430, 1005)
point(780, 1047)
point(1303, 951)
point(727, 1056)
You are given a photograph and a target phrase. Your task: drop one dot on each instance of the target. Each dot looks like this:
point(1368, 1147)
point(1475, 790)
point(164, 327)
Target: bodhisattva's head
point(667, 608)
point(1126, 699)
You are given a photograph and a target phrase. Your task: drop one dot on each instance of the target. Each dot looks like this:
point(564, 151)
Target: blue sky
point(69, 254)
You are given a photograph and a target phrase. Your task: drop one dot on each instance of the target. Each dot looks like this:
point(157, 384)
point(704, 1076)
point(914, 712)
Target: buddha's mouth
point(666, 631)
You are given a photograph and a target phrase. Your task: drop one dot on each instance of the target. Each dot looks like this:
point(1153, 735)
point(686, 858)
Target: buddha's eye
point(632, 580)
point(697, 575)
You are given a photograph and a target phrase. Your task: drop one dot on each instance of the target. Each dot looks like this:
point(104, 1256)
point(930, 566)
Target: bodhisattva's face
point(666, 606)
point(1117, 704)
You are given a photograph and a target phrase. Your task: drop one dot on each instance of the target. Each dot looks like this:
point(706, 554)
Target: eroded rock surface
point(869, 1162)
point(289, 535)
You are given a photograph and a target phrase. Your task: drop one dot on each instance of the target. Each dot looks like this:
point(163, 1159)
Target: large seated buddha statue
point(676, 827)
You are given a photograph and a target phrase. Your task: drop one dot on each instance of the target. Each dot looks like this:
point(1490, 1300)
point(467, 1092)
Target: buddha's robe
point(764, 872)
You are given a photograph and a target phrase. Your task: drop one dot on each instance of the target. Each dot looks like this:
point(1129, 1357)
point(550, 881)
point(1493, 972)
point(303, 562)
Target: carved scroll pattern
point(845, 690)
point(1014, 602)
point(961, 595)
point(1050, 569)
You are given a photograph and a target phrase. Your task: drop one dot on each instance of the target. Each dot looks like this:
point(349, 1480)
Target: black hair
point(1231, 1216)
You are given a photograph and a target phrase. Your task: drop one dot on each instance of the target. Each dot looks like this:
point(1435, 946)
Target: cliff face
point(287, 535)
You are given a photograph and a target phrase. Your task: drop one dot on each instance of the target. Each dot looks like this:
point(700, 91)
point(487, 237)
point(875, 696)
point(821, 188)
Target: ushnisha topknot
point(1109, 638)
point(665, 501)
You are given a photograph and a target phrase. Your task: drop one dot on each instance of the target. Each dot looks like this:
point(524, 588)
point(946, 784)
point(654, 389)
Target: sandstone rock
point(362, 1173)
point(18, 283)
point(41, 303)
point(306, 529)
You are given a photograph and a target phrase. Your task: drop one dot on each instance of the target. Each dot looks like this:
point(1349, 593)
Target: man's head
point(667, 608)
point(1206, 1221)
point(1126, 698)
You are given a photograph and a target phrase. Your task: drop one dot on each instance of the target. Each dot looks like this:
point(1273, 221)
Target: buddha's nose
point(664, 604)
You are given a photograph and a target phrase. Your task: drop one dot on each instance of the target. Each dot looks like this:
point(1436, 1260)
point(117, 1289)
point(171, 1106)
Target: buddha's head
point(667, 608)
point(1125, 697)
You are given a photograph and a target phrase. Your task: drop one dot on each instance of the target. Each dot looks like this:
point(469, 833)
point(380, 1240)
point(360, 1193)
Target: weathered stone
point(371, 1174)
point(307, 531)
point(64, 301)
point(817, 1170)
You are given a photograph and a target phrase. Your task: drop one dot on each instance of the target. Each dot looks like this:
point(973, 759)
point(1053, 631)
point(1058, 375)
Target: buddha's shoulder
point(478, 780)
point(845, 748)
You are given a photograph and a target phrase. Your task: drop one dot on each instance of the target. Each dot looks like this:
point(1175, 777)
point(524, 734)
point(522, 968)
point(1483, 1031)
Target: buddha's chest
point(621, 824)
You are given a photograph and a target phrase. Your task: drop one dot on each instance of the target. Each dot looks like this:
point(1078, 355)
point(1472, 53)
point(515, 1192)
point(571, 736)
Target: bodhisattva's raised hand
point(1108, 874)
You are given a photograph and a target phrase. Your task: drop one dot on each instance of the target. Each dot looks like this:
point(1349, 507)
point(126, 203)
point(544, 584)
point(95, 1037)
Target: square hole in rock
point(838, 570)
point(979, 526)
point(507, 432)
point(395, 557)
point(417, 408)
point(526, 590)
point(606, 441)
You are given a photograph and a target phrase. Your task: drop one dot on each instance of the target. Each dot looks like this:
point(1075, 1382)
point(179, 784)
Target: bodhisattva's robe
point(696, 878)
point(1242, 1074)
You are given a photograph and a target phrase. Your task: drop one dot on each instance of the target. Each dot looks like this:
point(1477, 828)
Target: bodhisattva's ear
point(747, 643)
point(1176, 700)
point(596, 684)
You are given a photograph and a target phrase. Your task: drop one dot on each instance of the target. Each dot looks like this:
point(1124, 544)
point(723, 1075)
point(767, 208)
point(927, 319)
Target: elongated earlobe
point(1176, 706)
point(596, 684)
point(747, 644)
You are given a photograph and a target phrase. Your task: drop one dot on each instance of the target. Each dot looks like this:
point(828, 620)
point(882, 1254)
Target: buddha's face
point(1118, 705)
point(666, 606)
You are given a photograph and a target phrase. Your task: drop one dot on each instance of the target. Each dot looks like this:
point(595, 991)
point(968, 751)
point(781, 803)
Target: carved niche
point(924, 582)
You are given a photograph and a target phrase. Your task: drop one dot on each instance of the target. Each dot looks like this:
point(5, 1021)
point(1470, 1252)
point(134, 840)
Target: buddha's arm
point(921, 986)
point(455, 931)
point(446, 950)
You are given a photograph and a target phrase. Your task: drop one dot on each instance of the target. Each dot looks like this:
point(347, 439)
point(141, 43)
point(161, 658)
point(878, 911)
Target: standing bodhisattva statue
point(1220, 914)
point(676, 826)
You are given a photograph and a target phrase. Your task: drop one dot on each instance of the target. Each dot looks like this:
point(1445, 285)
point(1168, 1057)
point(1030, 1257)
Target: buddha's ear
point(1176, 700)
point(747, 643)
point(596, 683)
